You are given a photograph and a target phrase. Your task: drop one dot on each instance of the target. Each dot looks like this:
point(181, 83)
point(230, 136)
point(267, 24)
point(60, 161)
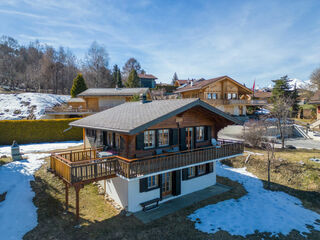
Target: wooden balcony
point(83, 166)
point(235, 102)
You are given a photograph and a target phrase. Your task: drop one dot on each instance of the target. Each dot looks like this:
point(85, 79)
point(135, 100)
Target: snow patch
point(260, 209)
point(18, 215)
point(18, 106)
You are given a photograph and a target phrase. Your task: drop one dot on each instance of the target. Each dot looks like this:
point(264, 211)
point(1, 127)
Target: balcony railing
point(78, 166)
point(235, 102)
point(66, 110)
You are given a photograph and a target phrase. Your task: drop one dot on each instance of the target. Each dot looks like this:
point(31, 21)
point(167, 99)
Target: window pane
point(209, 96)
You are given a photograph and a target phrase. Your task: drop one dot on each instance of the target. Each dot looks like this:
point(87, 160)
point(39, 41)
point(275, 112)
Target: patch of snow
point(18, 106)
point(260, 209)
point(18, 215)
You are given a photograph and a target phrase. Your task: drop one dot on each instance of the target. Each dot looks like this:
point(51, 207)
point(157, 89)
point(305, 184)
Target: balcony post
point(67, 195)
point(77, 188)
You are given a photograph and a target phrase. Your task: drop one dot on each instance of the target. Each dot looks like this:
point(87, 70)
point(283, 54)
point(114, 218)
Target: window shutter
point(196, 171)
point(209, 167)
point(160, 184)
point(185, 174)
point(175, 136)
point(140, 141)
point(176, 184)
point(194, 137)
point(170, 137)
point(114, 139)
point(183, 139)
point(143, 184)
point(156, 140)
point(209, 133)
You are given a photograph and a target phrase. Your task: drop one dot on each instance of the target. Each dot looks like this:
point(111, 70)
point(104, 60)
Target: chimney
point(143, 98)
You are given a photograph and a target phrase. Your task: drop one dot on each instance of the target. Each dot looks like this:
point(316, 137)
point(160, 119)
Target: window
point(229, 95)
point(191, 172)
point(201, 169)
point(149, 139)
point(234, 96)
point(91, 133)
point(153, 182)
point(200, 134)
point(117, 140)
point(209, 96)
point(214, 96)
point(163, 137)
point(110, 139)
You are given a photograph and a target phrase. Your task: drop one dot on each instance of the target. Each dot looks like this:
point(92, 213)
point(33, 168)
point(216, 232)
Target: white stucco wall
point(117, 189)
point(135, 197)
point(236, 110)
point(198, 183)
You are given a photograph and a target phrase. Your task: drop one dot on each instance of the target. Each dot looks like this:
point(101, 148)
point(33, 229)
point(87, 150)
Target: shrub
point(35, 131)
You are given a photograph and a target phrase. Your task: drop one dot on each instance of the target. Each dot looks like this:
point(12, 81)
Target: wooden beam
point(77, 188)
point(67, 194)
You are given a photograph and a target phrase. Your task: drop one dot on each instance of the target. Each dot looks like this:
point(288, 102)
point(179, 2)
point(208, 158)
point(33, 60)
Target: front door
point(189, 138)
point(166, 184)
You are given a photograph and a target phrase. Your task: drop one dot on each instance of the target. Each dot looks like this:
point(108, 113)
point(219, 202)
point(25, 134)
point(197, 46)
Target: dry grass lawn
point(4, 160)
point(99, 220)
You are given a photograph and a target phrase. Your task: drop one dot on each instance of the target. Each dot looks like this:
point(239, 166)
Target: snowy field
point(18, 106)
point(260, 209)
point(18, 215)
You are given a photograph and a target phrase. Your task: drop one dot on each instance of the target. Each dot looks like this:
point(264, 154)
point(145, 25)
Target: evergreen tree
point(294, 96)
point(133, 80)
point(79, 85)
point(114, 74)
point(119, 80)
point(174, 78)
point(281, 88)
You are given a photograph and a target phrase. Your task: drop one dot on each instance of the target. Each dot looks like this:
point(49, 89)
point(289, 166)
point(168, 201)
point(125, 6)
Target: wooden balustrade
point(77, 166)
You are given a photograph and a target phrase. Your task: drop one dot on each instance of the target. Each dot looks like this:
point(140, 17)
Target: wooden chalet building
point(152, 151)
point(315, 100)
point(147, 80)
point(223, 93)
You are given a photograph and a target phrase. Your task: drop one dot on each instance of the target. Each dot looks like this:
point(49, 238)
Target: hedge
point(35, 131)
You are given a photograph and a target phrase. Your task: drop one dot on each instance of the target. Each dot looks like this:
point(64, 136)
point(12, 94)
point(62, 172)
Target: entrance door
point(166, 184)
point(189, 138)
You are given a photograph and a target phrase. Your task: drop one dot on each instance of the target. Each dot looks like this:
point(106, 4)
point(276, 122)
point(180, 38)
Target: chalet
point(181, 83)
point(147, 80)
point(223, 93)
point(315, 99)
point(95, 100)
point(152, 151)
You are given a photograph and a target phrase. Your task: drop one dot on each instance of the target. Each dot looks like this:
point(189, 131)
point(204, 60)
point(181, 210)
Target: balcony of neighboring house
point(83, 166)
point(231, 99)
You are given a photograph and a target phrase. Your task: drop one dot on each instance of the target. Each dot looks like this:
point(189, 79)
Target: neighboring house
point(75, 108)
point(147, 80)
point(162, 150)
point(181, 83)
point(315, 100)
point(264, 96)
point(222, 92)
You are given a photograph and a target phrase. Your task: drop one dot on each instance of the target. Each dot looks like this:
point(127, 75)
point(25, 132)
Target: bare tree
point(269, 146)
point(315, 78)
point(281, 111)
point(254, 132)
point(131, 64)
point(96, 66)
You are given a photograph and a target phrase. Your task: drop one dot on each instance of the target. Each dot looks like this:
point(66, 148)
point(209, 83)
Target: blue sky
point(246, 40)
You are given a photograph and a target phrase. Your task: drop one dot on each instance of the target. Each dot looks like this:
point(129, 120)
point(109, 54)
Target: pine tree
point(174, 78)
point(133, 80)
point(119, 80)
point(79, 85)
point(281, 88)
point(294, 96)
point(114, 74)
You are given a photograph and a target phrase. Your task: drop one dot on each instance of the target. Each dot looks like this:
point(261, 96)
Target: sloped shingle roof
point(202, 83)
point(315, 99)
point(150, 76)
point(113, 91)
point(134, 117)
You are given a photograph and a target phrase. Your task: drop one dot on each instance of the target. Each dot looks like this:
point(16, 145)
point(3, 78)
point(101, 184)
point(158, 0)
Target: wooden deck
point(83, 166)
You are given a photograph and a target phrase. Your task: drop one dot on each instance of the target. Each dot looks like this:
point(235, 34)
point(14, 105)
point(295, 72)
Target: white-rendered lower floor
point(129, 194)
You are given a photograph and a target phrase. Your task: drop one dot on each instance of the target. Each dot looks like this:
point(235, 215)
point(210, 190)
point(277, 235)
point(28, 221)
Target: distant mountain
point(299, 83)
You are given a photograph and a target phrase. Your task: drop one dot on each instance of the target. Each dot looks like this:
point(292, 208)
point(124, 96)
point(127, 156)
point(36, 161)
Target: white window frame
point(153, 181)
point(198, 129)
point(161, 136)
point(149, 133)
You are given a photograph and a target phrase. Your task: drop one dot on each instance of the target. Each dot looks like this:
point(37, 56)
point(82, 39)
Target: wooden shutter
point(175, 136)
point(156, 140)
point(143, 184)
point(185, 174)
point(209, 167)
point(140, 141)
point(176, 183)
point(194, 138)
point(160, 184)
point(208, 133)
point(170, 137)
point(183, 139)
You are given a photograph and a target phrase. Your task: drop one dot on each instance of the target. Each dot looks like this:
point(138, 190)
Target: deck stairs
point(315, 124)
